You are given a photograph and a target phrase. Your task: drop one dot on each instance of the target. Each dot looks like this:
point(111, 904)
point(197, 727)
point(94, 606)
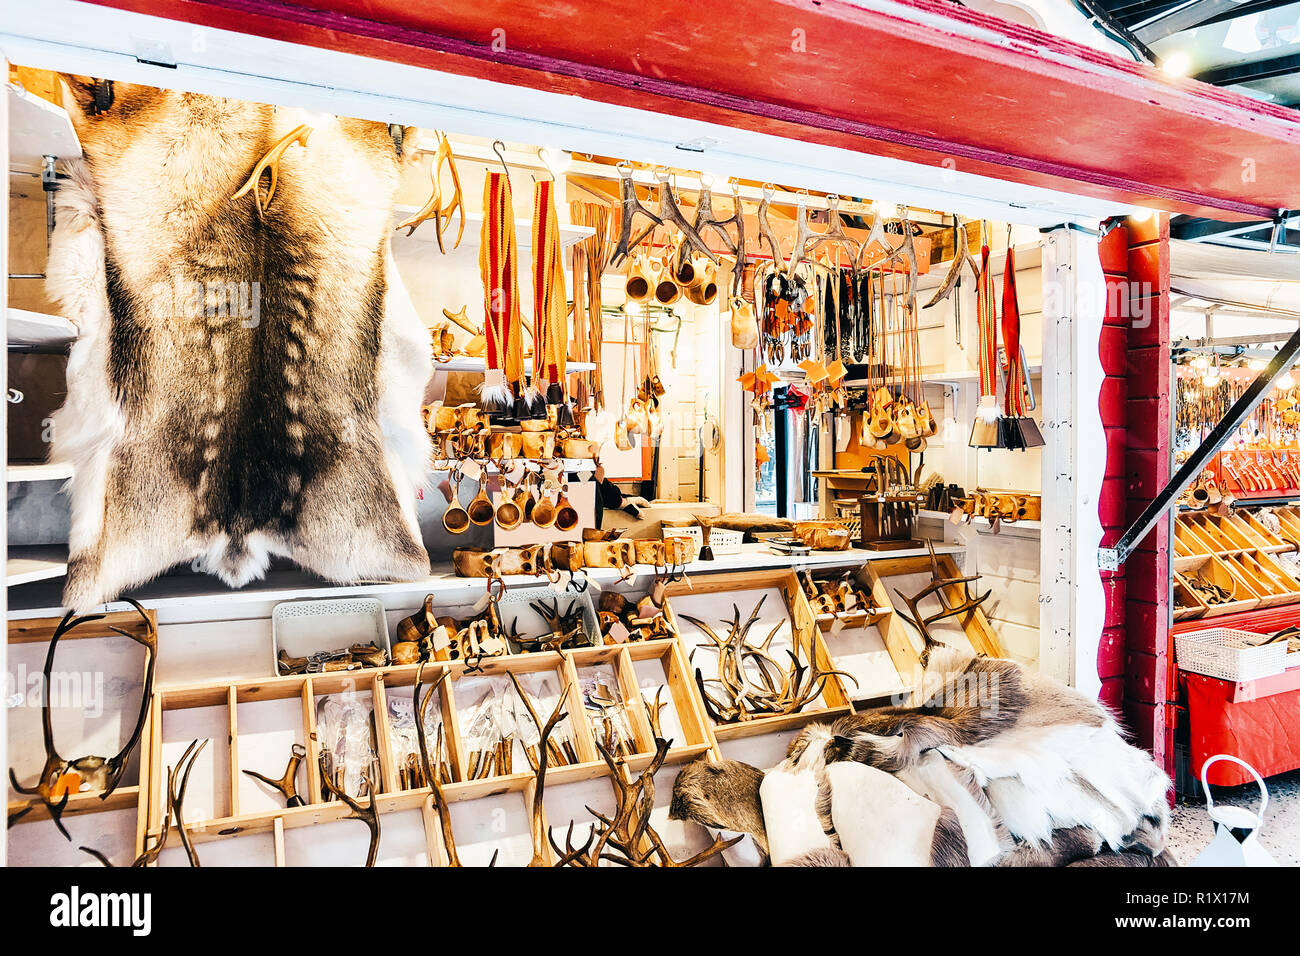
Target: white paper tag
point(441, 638)
point(471, 469)
point(618, 632)
point(482, 602)
point(837, 625)
point(561, 584)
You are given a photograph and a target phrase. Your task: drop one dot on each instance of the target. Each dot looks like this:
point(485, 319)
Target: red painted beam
point(919, 80)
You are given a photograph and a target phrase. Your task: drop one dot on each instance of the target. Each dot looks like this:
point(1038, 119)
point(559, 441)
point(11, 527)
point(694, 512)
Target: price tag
point(444, 487)
point(561, 584)
point(837, 625)
point(618, 632)
point(471, 469)
point(441, 638)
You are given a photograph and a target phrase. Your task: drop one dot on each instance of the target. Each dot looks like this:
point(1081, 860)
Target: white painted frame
point(1072, 604)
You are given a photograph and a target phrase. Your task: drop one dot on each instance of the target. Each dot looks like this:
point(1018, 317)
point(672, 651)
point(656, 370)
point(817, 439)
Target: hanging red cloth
point(1014, 405)
point(986, 315)
point(550, 305)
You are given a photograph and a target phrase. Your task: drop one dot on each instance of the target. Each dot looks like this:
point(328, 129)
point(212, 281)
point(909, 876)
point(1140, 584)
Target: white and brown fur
point(1039, 775)
point(195, 438)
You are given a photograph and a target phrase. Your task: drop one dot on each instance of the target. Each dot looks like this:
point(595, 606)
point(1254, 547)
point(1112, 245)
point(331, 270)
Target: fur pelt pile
point(1002, 766)
point(244, 385)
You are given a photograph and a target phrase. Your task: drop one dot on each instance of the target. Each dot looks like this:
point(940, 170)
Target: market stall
point(422, 475)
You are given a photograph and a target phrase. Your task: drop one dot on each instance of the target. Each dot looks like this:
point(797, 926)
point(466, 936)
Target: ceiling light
point(1286, 382)
point(1257, 365)
point(1201, 362)
point(1177, 63)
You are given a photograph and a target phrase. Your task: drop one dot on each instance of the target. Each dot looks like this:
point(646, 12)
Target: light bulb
point(1211, 378)
point(1177, 63)
point(1201, 362)
point(1257, 365)
point(1286, 382)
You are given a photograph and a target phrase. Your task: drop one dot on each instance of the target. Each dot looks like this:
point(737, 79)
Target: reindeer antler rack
point(60, 778)
point(774, 689)
point(938, 586)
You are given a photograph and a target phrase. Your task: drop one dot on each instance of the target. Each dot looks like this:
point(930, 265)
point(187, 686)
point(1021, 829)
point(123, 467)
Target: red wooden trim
point(920, 80)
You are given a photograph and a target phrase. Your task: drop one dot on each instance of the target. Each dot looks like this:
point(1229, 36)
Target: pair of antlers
point(61, 777)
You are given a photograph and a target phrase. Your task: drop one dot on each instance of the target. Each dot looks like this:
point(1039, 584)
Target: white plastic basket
point(723, 540)
point(303, 628)
point(1229, 654)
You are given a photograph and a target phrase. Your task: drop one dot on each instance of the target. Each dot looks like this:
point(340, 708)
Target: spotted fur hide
point(243, 387)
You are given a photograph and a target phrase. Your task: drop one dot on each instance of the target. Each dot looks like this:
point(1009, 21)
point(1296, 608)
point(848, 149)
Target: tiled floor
point(1191, 831)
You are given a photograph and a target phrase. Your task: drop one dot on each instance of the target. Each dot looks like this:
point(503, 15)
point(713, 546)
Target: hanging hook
point(499, 148)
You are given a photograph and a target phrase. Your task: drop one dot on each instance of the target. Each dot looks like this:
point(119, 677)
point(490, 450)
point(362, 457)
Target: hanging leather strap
point(550, 301)
point(1015, 397)
point(498, 260)
point(987, 316)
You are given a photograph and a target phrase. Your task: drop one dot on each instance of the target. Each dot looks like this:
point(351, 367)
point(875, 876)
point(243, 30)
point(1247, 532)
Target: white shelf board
point(466, 363)
point(982, 522)
point(186, 597)
point(956, 377)
point(37, 472)
point(26, 328)
point(38, 128)
point(425, 234)
point(28, 563)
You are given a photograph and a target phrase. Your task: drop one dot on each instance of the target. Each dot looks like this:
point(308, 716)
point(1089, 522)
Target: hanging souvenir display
point(550, 324)
point(985, 432)
point(503, 321)
point(1018, 430)
point(590, 257)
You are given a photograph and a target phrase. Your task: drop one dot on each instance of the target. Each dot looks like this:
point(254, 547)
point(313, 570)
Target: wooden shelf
point(38, 330)
point(466, 363)
point(36, 472)
point(26, 564)
point(981, 521)
point(200, 597)
point(956, 377)
point(38, 128)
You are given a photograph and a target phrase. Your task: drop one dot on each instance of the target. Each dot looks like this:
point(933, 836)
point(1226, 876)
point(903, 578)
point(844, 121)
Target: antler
point(539, 833)
point(368, 815)
point(938, 586)
point(270, 163)
point(432, 774)
point(103, 772)
point(175, 801)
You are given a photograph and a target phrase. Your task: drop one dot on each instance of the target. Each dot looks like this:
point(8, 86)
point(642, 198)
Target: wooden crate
point(1212, 569)
point(803, 630)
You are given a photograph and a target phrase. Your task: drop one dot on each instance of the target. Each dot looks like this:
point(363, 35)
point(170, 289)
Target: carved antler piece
point(287, 784)
point(269, 165)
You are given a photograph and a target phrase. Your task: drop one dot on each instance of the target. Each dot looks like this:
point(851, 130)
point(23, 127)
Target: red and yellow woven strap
point(550, 300)
point(987, 317)
point(498, 262)
point(1015, 398)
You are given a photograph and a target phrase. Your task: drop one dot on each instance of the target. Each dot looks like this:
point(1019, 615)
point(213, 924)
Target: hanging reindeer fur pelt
point(246, 384)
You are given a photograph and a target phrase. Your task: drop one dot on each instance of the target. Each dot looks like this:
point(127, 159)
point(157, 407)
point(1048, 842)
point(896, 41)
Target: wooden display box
point(717, 594)
point(227, 699)
point(1212, 569)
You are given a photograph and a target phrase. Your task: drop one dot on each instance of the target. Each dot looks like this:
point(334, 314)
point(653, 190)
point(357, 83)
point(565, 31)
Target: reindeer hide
point(242, 387)
point(879, 820)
